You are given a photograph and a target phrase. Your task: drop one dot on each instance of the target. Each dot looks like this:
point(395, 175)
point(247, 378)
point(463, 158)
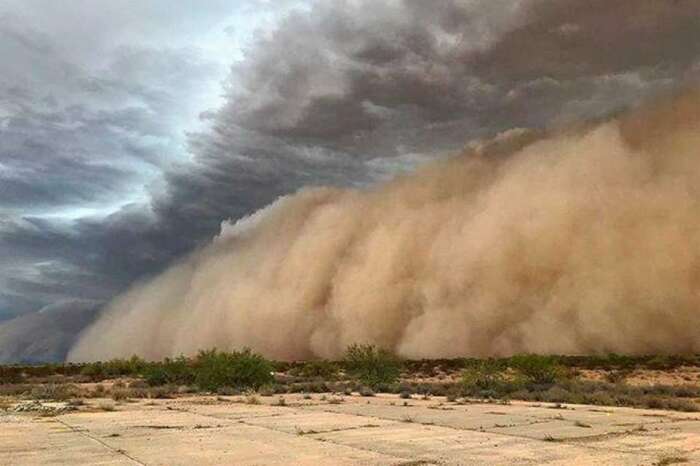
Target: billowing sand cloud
point(584, 241)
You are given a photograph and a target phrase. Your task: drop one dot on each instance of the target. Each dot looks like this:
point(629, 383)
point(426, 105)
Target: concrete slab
point(240, 444)
point(230, 411)
point(303, 423)
point(517, 420)
point(440, 445)
point(356, 430)
point(38, 441)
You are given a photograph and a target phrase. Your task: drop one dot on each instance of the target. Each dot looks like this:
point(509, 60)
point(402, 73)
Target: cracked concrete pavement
point(381, 430)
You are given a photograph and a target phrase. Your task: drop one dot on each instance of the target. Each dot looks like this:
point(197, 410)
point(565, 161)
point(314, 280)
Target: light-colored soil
point(638, 377)
point(380, 430)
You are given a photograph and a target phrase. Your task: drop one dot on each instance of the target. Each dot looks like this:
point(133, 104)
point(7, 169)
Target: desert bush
point(538, 369)
point(239, 369)
point(267, 390)
point(169, 371)
point(121, 367)
point(319, 387)
point(371, 365)
point(138, 392)
point(661, 362)
point(120, 394)
point(482, 376)
point(15, 389)
point(620, 361)
point(602, 394)
point(297, 388)
point(600, 398)
point(672, 404)
point(98, 391)
point(10, 375)
point(366, 391)
point(439, 389)
point(227, 391)
point(55, 392)
point(686, 391)
point(162, 391)
point(617, 376)
point(114, 368)
point(681, 405)
point(627, 362)
point(92, 369)
point(186, 389)
point(556, 394)
point(318, 369)
point(138, 384)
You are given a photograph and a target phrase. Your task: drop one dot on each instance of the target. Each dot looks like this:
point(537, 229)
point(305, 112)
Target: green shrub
point(371, 365)
point(155, 375)
point(10, 375)
point(114, 367)
point(132, 366)
point(92, 369)
point(540, 370)
point(239, 369)
point(169, 371)
point(661, 362)
point(319, 369)
point(681, 405)
point(483, 375)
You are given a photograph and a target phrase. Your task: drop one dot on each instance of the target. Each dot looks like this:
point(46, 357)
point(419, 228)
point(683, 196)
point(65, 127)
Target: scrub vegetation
point(658, 382)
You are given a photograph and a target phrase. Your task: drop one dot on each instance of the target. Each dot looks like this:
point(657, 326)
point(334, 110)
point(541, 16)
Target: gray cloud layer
point(339, 93)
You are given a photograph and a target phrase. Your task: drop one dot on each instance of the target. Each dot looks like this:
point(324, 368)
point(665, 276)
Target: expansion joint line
point(575, 441)
point(84, 433)
point(310, 436)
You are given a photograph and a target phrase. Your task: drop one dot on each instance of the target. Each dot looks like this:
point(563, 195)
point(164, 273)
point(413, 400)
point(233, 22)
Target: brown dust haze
point(578, 242)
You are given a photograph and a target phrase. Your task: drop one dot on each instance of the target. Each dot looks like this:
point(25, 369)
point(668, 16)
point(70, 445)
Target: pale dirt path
point(357, 431)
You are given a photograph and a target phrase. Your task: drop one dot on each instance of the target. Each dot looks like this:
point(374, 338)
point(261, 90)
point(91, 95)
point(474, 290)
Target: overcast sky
point(129, 129)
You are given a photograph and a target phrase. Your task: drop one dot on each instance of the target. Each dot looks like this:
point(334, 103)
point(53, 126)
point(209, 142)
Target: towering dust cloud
point(584, 241)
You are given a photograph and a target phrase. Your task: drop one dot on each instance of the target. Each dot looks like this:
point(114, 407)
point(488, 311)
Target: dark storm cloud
point(352, 69)
point(339, 93)
point(88, 118)
point(90, 259)
point(571, 39)
point(53, 331)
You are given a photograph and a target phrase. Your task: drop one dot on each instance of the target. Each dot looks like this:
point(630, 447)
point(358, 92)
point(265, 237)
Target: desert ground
point(342, 429)
point(370, 408)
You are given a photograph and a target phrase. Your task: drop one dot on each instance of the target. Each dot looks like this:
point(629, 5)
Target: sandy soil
point(673, 377)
